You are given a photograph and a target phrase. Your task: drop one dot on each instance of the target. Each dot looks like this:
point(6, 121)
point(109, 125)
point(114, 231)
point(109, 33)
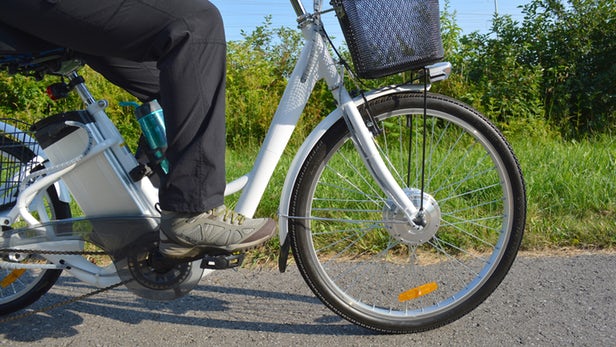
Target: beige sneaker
point(187, 235)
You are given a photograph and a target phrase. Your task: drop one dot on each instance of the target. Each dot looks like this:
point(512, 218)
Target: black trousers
point(174, 51)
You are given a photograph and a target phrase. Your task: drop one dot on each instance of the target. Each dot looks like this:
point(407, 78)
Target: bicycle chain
point(61, 303)
point(42, 251)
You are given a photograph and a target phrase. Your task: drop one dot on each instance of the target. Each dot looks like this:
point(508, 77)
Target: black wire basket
point(386, 37)
point(18, 158)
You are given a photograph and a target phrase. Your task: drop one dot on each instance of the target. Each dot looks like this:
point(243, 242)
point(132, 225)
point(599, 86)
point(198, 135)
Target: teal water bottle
point(151, 119)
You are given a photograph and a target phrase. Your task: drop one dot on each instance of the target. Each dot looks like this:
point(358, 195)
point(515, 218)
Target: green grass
point(571, 190)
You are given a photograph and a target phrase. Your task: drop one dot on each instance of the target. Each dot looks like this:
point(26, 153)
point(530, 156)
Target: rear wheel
point(356, 250)
point(21, 287)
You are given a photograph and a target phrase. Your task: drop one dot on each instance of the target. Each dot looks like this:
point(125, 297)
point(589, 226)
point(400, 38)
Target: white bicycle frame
point(315, 63)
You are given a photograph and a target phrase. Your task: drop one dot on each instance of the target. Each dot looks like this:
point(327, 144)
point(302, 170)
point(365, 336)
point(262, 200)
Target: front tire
point(355, 249)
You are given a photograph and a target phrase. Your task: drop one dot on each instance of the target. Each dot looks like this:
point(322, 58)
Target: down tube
point(300, 85)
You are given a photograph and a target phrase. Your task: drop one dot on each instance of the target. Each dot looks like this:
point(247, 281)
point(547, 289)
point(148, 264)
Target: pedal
point(222, 261)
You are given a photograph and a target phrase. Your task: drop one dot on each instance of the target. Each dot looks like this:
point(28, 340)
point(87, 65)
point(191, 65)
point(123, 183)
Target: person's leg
point(195, 86)
point(187, 41)
point(184, 235)
point(141, 79)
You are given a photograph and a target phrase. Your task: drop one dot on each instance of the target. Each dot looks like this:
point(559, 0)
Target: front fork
point(364, 143)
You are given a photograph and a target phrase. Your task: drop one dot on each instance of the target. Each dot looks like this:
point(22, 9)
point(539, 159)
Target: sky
point(238, 15)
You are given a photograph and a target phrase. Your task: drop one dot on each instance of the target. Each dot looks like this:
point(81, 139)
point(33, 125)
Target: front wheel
point(356, 250)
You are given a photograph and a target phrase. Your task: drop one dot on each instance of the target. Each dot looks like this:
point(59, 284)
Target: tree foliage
point(558, 63)
point(575, 44)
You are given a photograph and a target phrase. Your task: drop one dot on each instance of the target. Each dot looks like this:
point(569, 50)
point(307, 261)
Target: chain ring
point(150, 269)
point(152, 276)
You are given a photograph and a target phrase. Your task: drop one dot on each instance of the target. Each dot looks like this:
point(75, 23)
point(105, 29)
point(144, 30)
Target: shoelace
point(230, 215)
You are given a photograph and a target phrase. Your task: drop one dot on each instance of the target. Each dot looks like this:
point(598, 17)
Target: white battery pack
point(98, 187)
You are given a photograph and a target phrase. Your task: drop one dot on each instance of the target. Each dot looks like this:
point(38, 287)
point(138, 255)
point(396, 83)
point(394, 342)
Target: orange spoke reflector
point(416, 292)
point(12, 277)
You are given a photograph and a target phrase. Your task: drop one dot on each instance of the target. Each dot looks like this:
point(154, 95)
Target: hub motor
point(428, 220)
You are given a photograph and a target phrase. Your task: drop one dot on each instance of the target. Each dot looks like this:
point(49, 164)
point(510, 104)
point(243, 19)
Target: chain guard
point(131, 242)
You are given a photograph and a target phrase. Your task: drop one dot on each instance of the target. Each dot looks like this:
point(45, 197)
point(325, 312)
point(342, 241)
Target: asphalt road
point(544, 301)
